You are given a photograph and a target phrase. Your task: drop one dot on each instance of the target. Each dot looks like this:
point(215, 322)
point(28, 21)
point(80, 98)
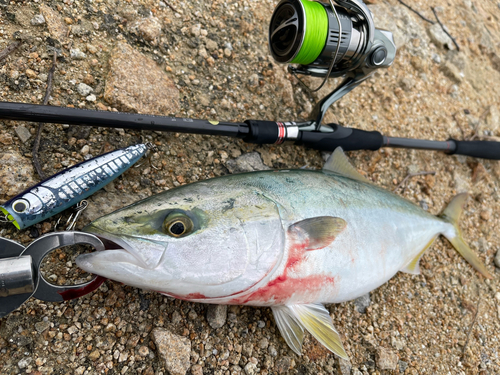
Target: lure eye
point(20, 206)
point(177, 224)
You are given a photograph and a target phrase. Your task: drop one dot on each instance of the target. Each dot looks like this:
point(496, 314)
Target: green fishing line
point(316, 32)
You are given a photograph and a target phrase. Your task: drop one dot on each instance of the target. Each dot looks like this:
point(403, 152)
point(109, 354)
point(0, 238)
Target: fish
point(68, 187)
point(292, 240)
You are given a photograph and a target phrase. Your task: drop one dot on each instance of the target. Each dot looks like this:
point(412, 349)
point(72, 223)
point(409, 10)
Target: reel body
point(329, 40)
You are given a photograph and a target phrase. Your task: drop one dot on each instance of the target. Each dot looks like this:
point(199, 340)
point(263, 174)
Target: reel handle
point(478, 149)
point(347, 138)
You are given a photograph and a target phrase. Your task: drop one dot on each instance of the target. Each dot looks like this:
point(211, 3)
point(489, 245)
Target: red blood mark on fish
point(280, 289)
point(77, 293)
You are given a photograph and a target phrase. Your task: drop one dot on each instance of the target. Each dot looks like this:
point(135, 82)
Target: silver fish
point(290, 239)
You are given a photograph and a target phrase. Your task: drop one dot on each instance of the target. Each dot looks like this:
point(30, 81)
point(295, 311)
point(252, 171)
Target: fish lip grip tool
point(20, 278)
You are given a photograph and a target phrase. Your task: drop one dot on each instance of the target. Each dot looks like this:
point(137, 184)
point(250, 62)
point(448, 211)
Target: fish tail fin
point(451, 214)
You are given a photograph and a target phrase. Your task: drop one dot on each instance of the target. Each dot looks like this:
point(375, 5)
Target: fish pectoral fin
point(339, 163)
point(291, 329)
point(317, 232)
point(413, 267)
point(315, 318)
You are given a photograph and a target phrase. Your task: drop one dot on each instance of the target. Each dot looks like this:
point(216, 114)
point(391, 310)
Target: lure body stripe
point(69, 186)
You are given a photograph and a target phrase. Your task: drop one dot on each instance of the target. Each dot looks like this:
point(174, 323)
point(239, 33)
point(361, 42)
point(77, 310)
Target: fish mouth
point(116, 248)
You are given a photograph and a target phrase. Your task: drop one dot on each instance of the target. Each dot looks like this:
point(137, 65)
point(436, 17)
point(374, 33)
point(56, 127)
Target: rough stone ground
point(215, 54)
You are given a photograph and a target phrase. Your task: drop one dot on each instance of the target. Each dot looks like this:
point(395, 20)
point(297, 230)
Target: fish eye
point(177, 224)
point(20, 206)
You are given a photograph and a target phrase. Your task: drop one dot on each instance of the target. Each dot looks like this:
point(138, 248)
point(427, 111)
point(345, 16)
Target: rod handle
point(347, 138)
point(478, 149)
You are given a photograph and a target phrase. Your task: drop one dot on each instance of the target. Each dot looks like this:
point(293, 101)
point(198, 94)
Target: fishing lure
point(69, 187)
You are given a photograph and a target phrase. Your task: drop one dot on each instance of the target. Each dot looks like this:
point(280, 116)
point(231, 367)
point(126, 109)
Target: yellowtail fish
point(289, 239)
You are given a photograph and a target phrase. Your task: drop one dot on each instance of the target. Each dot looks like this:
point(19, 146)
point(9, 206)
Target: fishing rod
point(321, 40)
point(329, 137)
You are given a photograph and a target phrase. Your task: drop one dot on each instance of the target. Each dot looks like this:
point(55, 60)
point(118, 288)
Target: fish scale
point(290, 239)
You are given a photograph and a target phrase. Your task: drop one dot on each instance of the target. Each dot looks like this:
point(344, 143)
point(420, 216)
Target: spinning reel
point(329, 40)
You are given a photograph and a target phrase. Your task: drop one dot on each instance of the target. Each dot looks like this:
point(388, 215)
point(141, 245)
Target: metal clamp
point(20, 278)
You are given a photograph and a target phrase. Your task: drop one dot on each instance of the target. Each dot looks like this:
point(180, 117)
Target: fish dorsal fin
point(413, 267)
point(318, 232)
point(338, 163)
point(314, 318)
point(291, 329)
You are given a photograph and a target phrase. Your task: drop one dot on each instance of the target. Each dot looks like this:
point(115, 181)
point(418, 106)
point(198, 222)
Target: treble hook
point(80, 207)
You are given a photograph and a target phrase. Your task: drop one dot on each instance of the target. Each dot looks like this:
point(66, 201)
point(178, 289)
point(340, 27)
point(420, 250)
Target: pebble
point(436, 58)
point(77, 54)
point(84, 89)
point(283, 364)
point(55, 23)
point(25, 362)
point(6, 139)
point(452, 72)
point(23, 133)
point(137, 84)
point(250, 368)
point(497, 259)
point(246, 163)
point(386, 359)
point(42, 326)
point(344, 366)
point(16, 174)
point(173, 349)
point(211, 45)
point(197, 370)
point(37, 20)
point(30, 73)
point(150, 29)
point(440, 38)
point(263, 343)
point(216, 315)
point(93, 356)
point(143, 351)
point(85, 150)
point(272, 351)
point(91, 98)
point(362, 303)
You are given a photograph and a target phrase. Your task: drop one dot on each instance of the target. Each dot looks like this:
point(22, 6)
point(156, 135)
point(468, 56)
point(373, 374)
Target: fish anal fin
point(339, 163)
point(317, 232)
point(413, 267)
point(451, 214)
point(316, 319)
point(290, 328)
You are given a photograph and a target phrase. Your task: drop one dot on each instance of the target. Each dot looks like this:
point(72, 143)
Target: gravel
point(210, 60)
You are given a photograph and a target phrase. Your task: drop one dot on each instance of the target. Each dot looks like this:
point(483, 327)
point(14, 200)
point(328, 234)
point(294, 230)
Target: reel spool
point(307, 32)
point(329, 40)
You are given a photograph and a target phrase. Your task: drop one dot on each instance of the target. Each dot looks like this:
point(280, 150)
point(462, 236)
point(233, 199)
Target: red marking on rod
point(281, 133)
point(80, 292)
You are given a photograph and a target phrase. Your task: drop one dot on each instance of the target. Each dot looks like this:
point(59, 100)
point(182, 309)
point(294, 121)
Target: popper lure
point(69, 187)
